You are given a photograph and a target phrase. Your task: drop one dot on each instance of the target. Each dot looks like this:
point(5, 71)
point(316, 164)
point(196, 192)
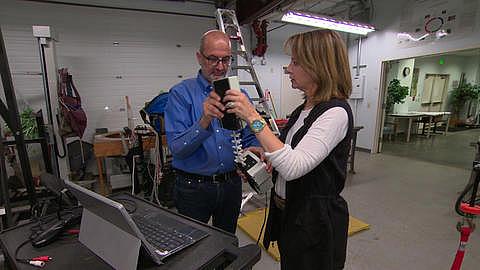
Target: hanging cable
point(157, 178)
point(264, 219)
point(133, 174)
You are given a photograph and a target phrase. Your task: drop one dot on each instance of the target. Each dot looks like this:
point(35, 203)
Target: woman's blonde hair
point(323, 55)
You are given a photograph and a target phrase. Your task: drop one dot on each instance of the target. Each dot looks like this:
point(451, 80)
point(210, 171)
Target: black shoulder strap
point(291, 121)
point(283, 135)
point(318, 110)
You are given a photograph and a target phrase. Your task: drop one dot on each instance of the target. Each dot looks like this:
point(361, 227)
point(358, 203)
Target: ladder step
point(240, 52)
point(231, 25)
point(248, 83)
point(243, 67)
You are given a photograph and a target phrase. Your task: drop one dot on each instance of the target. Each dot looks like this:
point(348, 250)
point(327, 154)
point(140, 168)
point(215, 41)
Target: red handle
point(464, 234)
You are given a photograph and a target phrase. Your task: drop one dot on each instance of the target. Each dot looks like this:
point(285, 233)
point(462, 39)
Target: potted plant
point(29, 124)
point(465, 92)
point(396, 93)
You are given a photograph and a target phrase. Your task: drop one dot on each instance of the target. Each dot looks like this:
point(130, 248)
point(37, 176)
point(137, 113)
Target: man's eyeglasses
point(213, 60)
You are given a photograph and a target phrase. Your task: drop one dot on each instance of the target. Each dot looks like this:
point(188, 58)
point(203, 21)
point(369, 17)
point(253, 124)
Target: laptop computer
point(160, 235)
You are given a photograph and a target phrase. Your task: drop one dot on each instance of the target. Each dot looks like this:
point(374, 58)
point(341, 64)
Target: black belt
point(216, 178)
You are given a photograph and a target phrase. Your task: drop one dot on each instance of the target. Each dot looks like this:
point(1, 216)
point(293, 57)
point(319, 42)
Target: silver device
point(256, 171)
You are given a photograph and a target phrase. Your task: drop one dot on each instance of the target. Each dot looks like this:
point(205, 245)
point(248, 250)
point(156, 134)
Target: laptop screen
point(103, 207)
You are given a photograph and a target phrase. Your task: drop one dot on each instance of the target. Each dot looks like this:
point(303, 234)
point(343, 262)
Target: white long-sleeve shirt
point(325, 133)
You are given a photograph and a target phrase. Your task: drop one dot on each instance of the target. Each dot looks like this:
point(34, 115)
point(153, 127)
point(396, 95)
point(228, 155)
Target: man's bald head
point(211, 37)
point(214, 55)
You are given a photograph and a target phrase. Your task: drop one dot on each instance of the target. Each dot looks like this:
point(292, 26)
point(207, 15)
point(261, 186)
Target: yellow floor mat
point(252, 221)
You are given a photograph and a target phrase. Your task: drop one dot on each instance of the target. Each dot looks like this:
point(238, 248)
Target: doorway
point(429, 123)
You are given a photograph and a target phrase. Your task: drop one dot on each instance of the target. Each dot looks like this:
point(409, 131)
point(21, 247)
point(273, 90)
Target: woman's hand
point(258, 151)
point(261, 154)
point(239, 104)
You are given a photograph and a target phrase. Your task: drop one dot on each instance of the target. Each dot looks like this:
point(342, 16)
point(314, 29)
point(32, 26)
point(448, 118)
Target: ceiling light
point(327, 22)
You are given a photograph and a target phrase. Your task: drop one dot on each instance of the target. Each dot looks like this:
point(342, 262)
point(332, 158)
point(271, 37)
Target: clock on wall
point(406, 71)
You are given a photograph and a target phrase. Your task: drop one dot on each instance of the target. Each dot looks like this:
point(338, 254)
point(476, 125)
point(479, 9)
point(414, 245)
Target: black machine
point(153, 115)
point(64, 202)
point(55, 231)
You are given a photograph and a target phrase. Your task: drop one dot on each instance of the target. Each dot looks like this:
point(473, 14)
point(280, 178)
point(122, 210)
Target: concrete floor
point(453, 149)
point(409, 205)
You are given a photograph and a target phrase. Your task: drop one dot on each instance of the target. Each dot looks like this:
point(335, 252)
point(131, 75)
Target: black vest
point(326, 180)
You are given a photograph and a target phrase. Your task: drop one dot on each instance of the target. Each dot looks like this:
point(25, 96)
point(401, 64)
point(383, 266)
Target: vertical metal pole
point(44, 142)
point(359, 54)
point(5, 198)
point(15, 122)
point(50, 130)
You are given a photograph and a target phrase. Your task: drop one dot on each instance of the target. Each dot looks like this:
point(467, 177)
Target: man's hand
point(242, 176)
point(212, 108)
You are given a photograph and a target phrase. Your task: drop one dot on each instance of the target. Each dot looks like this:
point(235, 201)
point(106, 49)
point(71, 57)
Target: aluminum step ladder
point(227, 22)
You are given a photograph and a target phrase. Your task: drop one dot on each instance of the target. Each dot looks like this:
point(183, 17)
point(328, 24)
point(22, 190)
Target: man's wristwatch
point(257, 125)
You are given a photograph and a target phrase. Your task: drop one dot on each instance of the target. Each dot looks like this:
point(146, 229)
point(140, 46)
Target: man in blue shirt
point(207, 184)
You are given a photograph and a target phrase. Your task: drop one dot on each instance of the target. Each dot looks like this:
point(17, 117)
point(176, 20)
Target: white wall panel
point(110, 53)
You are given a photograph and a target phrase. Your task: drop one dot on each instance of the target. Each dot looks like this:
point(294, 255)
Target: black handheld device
point(229, 120)
point(55, 230)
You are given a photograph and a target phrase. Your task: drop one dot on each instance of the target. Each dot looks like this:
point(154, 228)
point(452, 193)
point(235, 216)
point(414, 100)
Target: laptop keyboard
point(166, 239)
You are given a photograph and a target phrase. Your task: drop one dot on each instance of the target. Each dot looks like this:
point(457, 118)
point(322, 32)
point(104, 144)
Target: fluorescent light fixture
point(327, 22)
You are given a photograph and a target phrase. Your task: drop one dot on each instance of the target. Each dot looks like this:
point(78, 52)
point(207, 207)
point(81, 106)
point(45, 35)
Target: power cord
point(264, 219)
point(157, 178)
point(39, 261)
point(133, 174)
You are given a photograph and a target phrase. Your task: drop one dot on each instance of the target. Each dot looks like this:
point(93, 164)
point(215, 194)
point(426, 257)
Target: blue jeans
point(201, 200)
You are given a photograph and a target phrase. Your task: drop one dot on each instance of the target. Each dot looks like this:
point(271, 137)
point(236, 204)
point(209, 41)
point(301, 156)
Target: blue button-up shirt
point(195, 149)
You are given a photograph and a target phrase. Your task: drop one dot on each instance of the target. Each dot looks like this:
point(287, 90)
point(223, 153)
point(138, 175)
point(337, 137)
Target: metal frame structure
point(10, 115)
point(43, 34)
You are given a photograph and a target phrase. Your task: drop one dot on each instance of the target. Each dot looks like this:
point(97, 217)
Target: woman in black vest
point(308, 217)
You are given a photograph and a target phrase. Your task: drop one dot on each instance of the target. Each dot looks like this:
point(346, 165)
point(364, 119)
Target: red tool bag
point(72, 120)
